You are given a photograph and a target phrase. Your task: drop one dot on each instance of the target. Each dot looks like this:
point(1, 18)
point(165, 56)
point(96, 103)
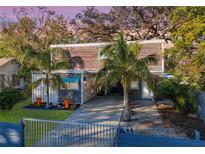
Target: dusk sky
point(67, 11)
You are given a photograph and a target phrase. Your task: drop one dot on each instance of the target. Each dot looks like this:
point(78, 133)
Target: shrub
point(181, 94)
point(9, 97)
point(181, 103)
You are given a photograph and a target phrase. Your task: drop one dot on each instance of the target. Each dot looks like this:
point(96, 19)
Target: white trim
point(103, 43)
point(80, 71)
point(163, 46)
point(101, 57)
point(7, 60)
point(99, 52)
point(78, 45)
point(156, 71)
point(66, 71)
point(82, 89)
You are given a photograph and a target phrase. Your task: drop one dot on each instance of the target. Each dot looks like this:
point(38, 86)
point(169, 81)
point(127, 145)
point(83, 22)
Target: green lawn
point(18, 112)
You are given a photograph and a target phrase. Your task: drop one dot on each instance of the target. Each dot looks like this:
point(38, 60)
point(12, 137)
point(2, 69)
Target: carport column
point(162, 47)
point(82, 89)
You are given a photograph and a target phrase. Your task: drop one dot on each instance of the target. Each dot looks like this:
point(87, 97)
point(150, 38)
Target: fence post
point(117, 134)
point(197, 135)
point(22, 133)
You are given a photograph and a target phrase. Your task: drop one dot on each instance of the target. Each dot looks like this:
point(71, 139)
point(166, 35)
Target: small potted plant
point(66, 103)
point(38, 101)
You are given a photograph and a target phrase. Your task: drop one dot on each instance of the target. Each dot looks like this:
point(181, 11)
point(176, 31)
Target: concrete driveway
point(101, 109)
point(87, 129)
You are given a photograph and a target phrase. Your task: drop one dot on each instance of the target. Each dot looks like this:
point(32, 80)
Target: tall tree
point(136, 22)
point(32, 33)
point(123, 65)
point(92, 26)
point(186, 58)
point(142, 22)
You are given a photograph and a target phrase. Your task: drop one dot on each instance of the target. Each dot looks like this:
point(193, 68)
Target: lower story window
point(15, 80)
point(2, 78)
point(71, 81)
point(135, 85)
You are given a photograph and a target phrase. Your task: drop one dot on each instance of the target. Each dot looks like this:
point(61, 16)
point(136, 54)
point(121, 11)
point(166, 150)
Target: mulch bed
point(181, 123)
point(42, 107)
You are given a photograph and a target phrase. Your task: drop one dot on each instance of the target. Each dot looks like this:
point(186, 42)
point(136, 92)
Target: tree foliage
point(179, 92)
point(31, 34)
point(9, 97)
point(186, 58)
point(137, 22)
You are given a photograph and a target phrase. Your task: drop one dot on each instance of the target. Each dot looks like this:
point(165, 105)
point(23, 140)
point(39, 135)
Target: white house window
point(15, 80)
point(72, 86)
point(135, 85)
point(71, 81)
point(2, 78)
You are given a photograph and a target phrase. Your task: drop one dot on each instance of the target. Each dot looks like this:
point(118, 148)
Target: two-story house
point(86, 61)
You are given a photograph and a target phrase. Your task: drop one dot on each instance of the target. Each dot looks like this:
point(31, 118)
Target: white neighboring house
point(9, 74)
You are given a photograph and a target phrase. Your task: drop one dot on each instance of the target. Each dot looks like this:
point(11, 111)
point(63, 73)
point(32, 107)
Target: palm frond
point(134, 49)
point(151, 59)
point(57, 81)
point(36, 83)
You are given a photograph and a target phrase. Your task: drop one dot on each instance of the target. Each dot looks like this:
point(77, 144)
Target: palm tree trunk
point(127, 111)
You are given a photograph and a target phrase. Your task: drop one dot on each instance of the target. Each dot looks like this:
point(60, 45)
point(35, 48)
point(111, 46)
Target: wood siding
point(87, 58)
point(155, 48)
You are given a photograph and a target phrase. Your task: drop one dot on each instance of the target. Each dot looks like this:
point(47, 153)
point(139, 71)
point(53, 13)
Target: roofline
point(78, 71)
point(66, 71)
point(10, 59)
point(104, 43)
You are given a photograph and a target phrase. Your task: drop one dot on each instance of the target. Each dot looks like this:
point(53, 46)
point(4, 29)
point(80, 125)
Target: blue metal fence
point(128, 139)
point(11, 135)
point(49, 133)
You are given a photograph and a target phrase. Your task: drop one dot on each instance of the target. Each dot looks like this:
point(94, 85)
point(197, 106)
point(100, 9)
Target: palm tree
point(47, 66)
point(123, 64)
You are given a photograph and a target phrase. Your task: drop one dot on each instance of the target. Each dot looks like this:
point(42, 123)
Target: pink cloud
point(67, 11)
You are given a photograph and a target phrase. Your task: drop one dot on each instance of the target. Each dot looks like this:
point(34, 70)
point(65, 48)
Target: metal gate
point(49, 133)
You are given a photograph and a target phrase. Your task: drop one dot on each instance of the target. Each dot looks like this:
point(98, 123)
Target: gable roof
point(4, 61)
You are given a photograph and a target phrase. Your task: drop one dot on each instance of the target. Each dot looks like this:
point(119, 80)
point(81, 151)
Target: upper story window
point(100, 55)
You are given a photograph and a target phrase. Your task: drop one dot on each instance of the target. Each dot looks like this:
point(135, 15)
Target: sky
point(67, 11)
